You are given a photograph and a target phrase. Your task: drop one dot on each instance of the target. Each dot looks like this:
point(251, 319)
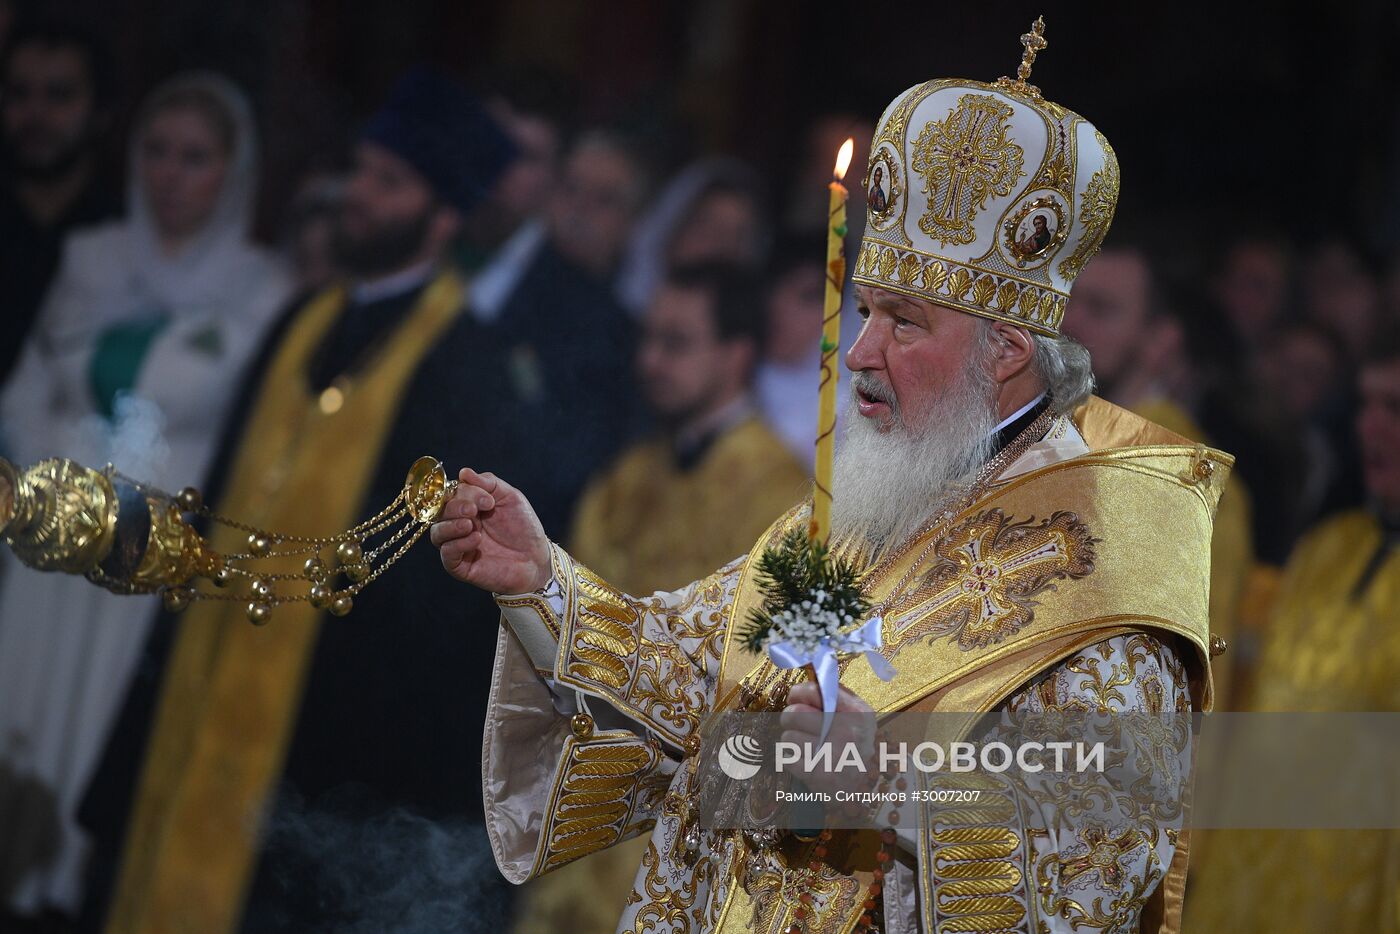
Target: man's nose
point(867, 353)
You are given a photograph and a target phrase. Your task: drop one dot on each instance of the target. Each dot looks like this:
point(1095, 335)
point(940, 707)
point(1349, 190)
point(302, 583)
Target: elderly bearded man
point(975, 453)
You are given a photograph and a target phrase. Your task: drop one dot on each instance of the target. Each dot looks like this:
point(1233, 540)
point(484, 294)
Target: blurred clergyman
point(556, 268)
point(1333, 645)
point(715, 476)
point(1303, 367)
point(258, 742)
point(547, 298)
point(533, 106)
point(1341, 292)
point(603, 189)
point(55, 97)
point(691, 497)
point(1252, 286)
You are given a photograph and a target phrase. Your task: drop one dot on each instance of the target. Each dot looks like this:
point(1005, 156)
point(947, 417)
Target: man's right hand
point(489, 535)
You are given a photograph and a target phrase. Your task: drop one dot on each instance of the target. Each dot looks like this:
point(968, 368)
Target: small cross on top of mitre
point(1034, 42)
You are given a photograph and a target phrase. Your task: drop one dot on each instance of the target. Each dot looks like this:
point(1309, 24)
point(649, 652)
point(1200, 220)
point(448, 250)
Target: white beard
point(888, 484)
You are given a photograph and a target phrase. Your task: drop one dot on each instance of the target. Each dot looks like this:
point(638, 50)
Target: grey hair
point(1064, 365)
point(1061, 362)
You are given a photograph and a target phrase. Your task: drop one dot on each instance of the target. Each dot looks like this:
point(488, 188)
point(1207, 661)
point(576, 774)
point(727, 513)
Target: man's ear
point(1013, 350)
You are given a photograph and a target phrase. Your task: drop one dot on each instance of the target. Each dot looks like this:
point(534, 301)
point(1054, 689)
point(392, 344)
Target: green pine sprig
point(788, 574)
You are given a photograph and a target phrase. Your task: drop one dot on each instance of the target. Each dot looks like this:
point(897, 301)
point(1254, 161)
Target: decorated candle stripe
point(831, 343)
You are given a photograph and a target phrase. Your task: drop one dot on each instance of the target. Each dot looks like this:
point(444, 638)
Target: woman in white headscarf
point(136, 359)
point(711, 211)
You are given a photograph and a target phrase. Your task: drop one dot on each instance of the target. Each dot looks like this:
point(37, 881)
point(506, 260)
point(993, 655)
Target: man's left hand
point(802, 724)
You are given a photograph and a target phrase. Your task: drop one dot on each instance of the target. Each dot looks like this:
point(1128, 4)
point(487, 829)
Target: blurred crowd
point(631, 341)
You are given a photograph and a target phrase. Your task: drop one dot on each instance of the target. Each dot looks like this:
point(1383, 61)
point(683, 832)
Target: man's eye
point(863, 312)
point(898, 321)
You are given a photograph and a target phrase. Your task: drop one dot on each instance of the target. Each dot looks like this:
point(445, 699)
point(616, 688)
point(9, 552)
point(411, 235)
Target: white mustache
point(870, 385)
point(887, 483)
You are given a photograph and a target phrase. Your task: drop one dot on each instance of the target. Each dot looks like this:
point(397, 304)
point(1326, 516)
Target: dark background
point(1224, 116)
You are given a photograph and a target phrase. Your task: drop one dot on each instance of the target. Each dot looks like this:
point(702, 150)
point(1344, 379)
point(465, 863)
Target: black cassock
point(377, 821)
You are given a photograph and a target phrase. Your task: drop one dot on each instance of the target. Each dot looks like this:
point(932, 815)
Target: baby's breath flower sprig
point(808, 596)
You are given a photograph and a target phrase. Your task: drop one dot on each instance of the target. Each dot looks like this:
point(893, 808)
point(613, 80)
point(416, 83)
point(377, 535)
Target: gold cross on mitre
point(1034, 42)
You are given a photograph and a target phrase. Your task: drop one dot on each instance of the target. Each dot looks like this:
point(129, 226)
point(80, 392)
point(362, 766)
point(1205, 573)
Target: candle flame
point(843, 158)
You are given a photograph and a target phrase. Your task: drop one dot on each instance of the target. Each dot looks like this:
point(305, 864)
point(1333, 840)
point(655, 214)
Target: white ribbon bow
point(822, 658)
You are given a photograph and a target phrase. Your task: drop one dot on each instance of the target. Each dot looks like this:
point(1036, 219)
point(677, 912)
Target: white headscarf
point(198, 273)
point(644, 263)
point(220, 286)
point(67, 649)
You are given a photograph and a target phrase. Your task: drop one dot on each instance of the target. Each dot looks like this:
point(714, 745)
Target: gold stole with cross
point(1040, 568)
point(231, 690)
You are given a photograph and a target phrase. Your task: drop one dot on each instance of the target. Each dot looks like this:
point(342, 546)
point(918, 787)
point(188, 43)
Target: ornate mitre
point(986, 197)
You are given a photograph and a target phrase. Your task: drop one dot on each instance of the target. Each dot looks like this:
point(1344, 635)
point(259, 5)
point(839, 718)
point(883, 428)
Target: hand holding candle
point(820, 530)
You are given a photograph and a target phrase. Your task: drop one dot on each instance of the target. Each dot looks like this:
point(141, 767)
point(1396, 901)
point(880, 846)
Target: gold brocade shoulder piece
point(1105, 426)
point(1115, 538)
